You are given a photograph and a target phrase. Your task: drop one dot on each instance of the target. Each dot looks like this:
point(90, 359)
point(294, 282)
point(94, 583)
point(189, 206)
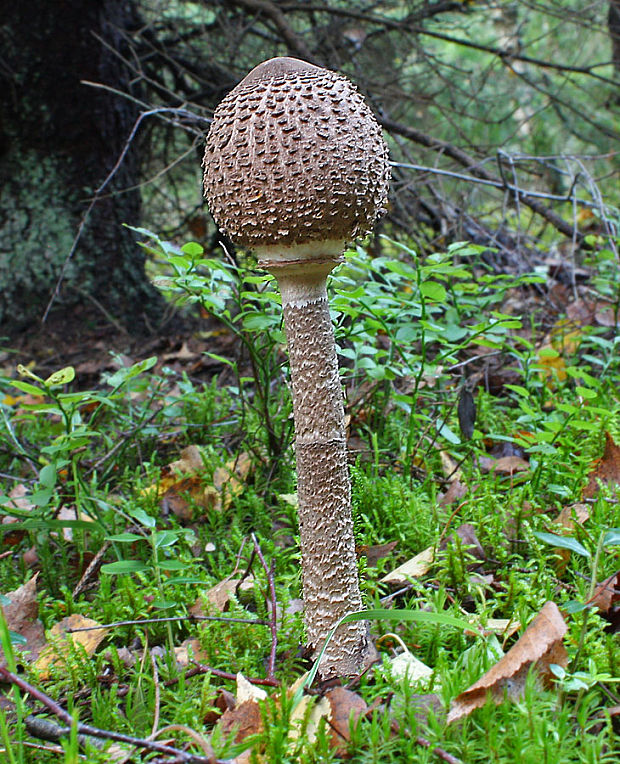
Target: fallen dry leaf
point(570, 514)
point(69, 513)
point(344, 705)
point(540, 645)
point(56, 652)
point(306, 717)
point(22, 617)
point(220, 594)
point(229, 479)
point(607, 470)
point(504, 627)
point(18, 500)
point(245, 718)
point(376, 552)
point(414, 568)
point(466, 533)
point(241, 721)
point(181, 483)
point(508, 465)
point(455, 492)
point(566, 519)
point(607, 593)
point(406, 666)
point(188, 650)
point(248, 691)
point(449, 467)
point(224, 701)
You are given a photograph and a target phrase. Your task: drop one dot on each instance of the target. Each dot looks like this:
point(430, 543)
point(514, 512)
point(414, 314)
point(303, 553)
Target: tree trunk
point(59, 139)
point(613, 24)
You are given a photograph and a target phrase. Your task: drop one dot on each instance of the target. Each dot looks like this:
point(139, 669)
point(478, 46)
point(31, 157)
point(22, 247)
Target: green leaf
point(47, 476)
point(586, 392)
point(142, 517)
point(563, 542)
point(61, 377)
point(126, 537)
point(519, 390)
point(165, 538)
point(26, 387)
point(25, 372)
point(34, 524)
point(17, 639)
point(612, 537)
point(124, 566)
point(574, 606)
point(193, 249)
point(123, 375)
point(172, 565)
point(183, 580)
point(163, 604)
point(434, 291)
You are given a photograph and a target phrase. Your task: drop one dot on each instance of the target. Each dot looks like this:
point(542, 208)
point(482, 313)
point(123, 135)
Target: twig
point(504, 54)
point(464, 159)
point(45, 729)
point(81, 584)
point(157, 699)
point(273, 12)
point(167, 619)
point(438, 751)
point(100, 189)
point(200, 668)
point(271, 665)
point(86, 729)
point(503, 185)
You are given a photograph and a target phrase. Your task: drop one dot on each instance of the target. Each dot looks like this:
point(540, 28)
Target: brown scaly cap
point(294, 156)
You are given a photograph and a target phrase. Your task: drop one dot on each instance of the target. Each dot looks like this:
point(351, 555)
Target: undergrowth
point(418, 342)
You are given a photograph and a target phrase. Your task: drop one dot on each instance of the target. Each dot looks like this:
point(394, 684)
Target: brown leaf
point(243, 720)
point(69, 513)
point(57, 650)
point(607, 593)
point(224, 701)
point(229, 480)
point(607, 470)
point(566, 519)
point(22, 617)
point(455, 492)
point(508, 465)
point(183, 354)
point(189, 649)
point(414, 568)
point(375, 553)
point(570, 514)
point(187, 493)
point(344, 704)
point(219, 595)
point(469, 543)
point(540, 645)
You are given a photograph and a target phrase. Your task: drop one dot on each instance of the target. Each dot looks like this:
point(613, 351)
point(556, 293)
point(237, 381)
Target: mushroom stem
point(329, 563)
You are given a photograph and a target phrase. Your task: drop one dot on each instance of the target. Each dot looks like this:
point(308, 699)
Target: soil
point(90, 342)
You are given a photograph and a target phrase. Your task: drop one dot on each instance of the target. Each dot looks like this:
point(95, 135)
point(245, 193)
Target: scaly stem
point(329, 563)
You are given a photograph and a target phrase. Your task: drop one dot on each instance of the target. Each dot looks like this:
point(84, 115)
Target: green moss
point(37, 230)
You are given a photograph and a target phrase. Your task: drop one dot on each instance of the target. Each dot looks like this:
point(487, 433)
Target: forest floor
point(149, 561)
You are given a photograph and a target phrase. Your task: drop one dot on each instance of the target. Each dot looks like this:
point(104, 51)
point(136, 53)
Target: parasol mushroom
point(296, 167)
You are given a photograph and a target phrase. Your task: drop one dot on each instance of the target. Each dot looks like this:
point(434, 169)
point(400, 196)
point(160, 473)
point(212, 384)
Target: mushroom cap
point(295, 163)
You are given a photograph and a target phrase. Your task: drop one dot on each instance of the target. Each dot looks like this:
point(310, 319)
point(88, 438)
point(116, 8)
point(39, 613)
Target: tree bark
point(59, 139)
point(613, 24)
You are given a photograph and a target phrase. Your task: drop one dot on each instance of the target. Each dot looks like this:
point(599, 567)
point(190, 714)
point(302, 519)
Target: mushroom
point(296, 167)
